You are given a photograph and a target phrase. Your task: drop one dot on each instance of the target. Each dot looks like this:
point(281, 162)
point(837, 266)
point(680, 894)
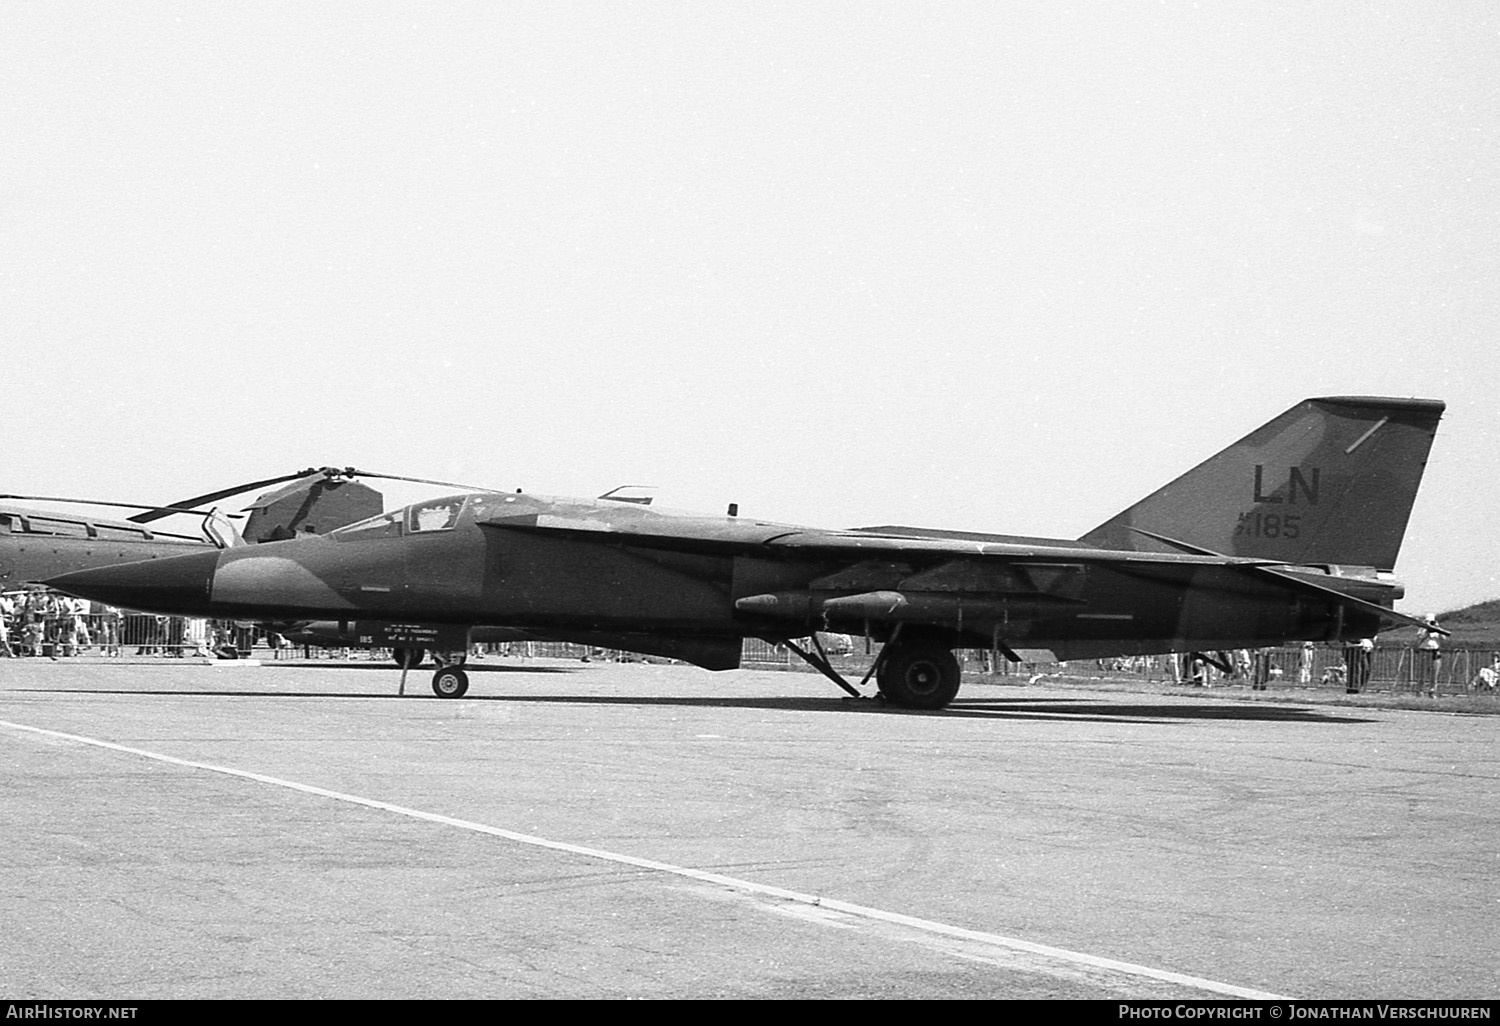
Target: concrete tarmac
point(181, 830)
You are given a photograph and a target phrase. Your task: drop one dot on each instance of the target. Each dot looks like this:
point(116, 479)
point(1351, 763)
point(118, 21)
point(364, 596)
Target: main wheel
point(450, 682)
point(918, 675)
point(408, 658)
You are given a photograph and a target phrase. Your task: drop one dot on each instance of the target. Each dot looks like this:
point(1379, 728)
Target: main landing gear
point(914, 673)
point(918, 675)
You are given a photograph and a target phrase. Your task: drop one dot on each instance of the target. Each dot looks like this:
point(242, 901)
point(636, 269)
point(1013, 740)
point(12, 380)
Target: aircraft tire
point(450, 682)
point(408, 658)
point(919, 675)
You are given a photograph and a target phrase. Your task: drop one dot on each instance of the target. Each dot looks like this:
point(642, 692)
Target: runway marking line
point(717, 879)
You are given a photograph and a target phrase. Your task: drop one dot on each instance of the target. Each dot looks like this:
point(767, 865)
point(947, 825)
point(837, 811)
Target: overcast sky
point(992, 266)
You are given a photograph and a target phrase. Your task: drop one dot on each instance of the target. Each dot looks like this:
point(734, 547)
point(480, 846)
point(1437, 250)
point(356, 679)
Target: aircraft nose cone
point(174, 584)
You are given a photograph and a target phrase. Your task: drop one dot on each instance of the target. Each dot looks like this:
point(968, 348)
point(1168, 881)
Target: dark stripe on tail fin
point(1331, 480)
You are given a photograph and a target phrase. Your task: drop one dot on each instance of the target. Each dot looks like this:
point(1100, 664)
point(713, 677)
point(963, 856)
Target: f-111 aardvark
point(1288, 534)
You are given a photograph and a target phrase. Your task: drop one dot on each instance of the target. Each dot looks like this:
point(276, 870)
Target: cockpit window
point(386, 525)
point(423, 518)
point(437, 515)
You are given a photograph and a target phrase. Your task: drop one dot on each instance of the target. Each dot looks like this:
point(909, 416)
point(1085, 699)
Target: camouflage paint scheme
point(1288, 534)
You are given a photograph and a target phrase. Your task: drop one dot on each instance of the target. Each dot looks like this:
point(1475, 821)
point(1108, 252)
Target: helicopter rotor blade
point(354, 472)
point(118, 505)
point(156, 512)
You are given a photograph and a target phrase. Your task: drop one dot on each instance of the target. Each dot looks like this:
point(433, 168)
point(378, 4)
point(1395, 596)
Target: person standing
point(35, 630)
point(1364, 662)
point(109, 630)
point(1305, 667)
point(154, 633)
point(5, 611)
point(1429, 658)
point(1358, 657)
point(1261, 677)
point(81, 632)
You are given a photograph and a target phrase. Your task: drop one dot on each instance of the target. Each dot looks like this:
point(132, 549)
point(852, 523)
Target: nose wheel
point(450, 682)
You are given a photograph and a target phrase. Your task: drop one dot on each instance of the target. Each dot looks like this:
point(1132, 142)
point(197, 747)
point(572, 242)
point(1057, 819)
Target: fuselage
point(492, 558)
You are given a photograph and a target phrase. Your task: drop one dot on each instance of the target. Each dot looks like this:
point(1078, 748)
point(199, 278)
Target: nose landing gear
point(450, 682)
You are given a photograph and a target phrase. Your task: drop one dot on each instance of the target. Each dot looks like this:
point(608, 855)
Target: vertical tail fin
point(1331, 480)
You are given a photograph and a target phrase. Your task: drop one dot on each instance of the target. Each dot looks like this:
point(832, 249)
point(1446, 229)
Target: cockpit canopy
point(433, 515)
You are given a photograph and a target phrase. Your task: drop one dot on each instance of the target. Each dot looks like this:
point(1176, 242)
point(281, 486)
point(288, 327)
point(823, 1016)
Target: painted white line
point(732, 883)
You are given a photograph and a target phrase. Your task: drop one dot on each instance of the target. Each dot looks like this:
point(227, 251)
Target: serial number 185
point(1268, 525)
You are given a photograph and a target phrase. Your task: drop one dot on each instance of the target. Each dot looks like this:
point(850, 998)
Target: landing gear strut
point(407, 658)
point(818, 660)
point(914, 673)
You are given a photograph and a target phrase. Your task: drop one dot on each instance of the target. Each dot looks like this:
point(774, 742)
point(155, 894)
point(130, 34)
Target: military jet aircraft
point(1288, 534)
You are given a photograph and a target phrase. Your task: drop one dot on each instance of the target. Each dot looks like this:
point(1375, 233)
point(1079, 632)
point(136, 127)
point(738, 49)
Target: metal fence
point(1394, 669)
point(66, 634)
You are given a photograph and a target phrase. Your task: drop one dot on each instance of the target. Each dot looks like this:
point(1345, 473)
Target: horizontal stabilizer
point(1301, 581)
point(1385, 612)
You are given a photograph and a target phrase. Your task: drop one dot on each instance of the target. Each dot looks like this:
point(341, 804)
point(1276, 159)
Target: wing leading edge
point(729, 537)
